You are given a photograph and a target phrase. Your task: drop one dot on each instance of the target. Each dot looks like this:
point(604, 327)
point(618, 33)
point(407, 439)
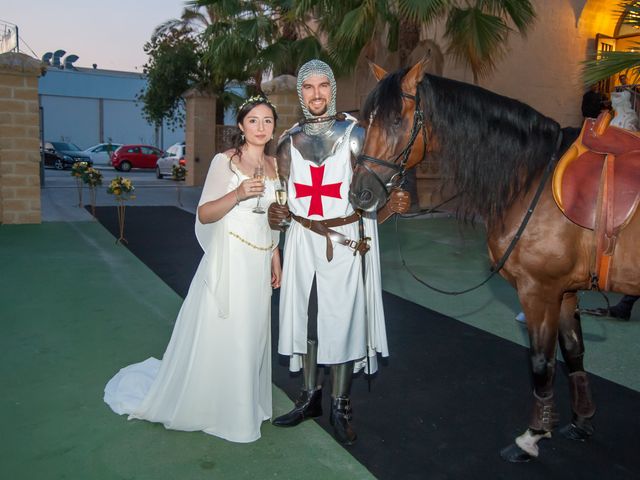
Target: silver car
point(175, 155)
point(101, 153)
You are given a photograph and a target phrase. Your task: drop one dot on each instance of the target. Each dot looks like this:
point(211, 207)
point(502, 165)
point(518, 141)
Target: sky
point(109, 33)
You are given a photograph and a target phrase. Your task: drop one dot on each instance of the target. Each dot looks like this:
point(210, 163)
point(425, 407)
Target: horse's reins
point(400, 169)
point(418, 125)
point(505, 256)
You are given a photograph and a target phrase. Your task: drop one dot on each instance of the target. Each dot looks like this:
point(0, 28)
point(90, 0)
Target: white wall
point(71, 109)
point(70, 119)
point(123, 123)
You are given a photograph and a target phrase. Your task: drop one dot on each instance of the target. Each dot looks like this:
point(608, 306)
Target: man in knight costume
point(329, 313)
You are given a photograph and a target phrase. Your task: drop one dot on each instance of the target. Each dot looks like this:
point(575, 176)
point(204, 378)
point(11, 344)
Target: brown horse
point(497, 154)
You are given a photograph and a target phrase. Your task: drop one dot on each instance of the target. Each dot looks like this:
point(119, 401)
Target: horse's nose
point(365, 197)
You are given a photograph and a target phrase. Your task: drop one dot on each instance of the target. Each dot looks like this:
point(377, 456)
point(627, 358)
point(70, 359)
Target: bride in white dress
point(215, 374)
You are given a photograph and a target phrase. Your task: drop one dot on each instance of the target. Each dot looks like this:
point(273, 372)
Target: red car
point(135, 156)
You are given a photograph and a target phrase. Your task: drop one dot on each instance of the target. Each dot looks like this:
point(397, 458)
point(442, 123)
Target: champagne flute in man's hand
point(281, 199)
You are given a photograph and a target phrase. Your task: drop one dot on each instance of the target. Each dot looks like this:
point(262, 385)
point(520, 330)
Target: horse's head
point(395, 136)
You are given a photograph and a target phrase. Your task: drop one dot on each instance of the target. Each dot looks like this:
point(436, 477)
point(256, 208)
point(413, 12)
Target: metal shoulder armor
point(283, 154)
point(317, 148)
point(356, 140)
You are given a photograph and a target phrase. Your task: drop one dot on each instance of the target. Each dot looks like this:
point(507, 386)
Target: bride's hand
point(276, 269)
point(249, 188)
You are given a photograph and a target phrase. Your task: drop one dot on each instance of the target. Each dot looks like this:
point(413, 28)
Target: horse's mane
point(491, 147)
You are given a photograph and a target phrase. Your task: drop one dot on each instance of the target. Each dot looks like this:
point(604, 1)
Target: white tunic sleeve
point(213, 237)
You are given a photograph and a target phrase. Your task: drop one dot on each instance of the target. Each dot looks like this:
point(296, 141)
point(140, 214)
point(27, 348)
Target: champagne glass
point(259, 174)
point(281, 199)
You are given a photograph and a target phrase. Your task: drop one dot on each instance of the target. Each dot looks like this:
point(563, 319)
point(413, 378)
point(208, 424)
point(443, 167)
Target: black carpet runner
point(448, 399)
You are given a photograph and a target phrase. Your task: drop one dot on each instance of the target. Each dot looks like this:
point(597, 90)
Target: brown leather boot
point(308, 405)
point(341, 420)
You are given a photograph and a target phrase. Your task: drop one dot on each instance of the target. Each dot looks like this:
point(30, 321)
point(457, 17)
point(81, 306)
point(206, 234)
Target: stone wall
point(19, 139)
point(282, 93)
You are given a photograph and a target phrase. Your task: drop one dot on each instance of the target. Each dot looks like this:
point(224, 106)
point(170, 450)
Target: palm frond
point(422, 11)
point(630, 11)
point(476, 38)
point(611, 63)
point(520, 12)
point(356, 28)
point(166, 27)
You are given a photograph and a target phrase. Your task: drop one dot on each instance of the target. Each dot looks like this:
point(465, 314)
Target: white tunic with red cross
point(345, 302)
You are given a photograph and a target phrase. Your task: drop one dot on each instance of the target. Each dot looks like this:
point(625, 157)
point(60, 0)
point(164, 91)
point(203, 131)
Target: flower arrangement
point(78, 170)
point(93, 178)
point(122, 189)
point(179, 172)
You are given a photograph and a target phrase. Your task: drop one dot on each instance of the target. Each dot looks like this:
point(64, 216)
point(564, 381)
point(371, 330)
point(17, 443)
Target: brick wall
point(200, 135)
point(19, 139)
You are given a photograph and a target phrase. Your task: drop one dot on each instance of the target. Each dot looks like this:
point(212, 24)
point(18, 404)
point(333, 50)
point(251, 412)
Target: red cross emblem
point(316, 190)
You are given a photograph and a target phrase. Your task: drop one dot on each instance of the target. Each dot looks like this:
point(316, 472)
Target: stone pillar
point(282, 93)
point(19, 139)
point(200, 134)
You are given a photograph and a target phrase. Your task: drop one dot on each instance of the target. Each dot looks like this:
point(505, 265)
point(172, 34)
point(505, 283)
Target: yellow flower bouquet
point(78, 170)
point(93, 178)
point(179, 172)
point(122, 189)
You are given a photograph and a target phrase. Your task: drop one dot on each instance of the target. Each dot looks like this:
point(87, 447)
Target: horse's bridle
point(400, 169)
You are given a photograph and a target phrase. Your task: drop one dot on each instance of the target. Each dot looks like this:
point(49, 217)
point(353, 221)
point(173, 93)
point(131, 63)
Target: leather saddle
point(596, 184)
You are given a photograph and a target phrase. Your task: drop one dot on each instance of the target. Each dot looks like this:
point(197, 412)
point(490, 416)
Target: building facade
point(543, 69)
point(89, 106)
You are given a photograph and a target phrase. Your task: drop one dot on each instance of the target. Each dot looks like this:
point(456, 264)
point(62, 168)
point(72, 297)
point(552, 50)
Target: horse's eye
point(397, 121)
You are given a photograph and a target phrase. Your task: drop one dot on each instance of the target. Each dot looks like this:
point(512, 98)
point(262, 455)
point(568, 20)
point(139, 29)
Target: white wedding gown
point(215, 374)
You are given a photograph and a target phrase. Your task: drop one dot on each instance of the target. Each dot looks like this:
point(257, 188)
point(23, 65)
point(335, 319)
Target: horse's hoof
point(514, 454)
point(575, 432)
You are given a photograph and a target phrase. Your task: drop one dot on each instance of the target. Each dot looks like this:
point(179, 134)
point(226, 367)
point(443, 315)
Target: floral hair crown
point(257, 99)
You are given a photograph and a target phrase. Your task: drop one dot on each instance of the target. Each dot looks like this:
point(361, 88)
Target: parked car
point(101, 153)
point(175, 155)
point(61, 155)
point(135, 156)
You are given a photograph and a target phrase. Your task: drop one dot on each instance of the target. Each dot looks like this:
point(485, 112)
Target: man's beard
point(322, 112)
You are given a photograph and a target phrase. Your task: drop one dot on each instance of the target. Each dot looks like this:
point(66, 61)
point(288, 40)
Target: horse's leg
point(542, 322)
point(572, 348)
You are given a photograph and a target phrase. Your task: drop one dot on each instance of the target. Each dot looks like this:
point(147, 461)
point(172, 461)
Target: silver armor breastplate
point(317, 148)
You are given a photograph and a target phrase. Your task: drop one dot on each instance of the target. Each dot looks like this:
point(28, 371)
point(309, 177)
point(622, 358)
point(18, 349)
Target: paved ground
point(74, 308)
point(60, 194)
point(69, 295)
point(437, 247)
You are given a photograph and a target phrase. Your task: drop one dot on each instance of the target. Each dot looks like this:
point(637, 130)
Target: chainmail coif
point(309, 69)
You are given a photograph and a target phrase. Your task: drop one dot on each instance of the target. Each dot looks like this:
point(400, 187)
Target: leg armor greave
point(341, 413)
point(341, 374)
point(310, 366)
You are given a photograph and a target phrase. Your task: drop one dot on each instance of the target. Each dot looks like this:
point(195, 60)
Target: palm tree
point(194, 20)
point(251, 37)
point(608, 64)
point(476, 30)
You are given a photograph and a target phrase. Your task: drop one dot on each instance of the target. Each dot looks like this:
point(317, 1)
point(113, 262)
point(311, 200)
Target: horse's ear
point(377, 70)
point(415, 74)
